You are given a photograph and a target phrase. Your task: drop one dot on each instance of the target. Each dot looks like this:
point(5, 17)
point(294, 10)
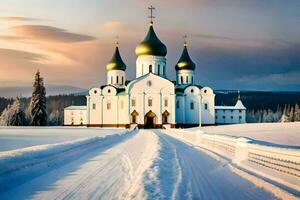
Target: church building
point(151, 100)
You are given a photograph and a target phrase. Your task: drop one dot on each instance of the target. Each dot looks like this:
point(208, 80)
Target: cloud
point(20, 55)
point(49, 34)
point(17, 19)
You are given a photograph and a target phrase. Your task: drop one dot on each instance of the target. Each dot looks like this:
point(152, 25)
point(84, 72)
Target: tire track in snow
point(116, 173)
point(202, 177)
point(163, 178)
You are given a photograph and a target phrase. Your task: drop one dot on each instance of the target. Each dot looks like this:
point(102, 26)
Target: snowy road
point(187, 173)
point(145, 165)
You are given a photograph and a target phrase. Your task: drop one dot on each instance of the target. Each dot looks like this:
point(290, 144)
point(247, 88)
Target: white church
point(151, 100)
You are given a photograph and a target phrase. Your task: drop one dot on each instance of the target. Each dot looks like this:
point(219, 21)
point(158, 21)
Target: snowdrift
point(15, 165)
point(277, 164)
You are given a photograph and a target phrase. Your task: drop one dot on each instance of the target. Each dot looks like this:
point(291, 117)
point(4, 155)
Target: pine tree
point(38, 106)
point(5, 117)
point(18, 115)
point(13, 115)
point(297, 113)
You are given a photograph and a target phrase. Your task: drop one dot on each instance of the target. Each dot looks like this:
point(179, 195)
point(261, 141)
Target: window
point(149, 83)
point(240, 117)
point(223, 117)
point(111, 80)
point(150, 102)
point(216, 117)
point(192, 90)
point(117, 79)
point(133, 102)
point(240, 111)
point(158, 69)
point(187, 79)
point(150, 68)
point(164, 71)
point(108, 91)
point(181, 79)
point(192, 79)
point(94, 106)
point(177, 104)
point(95, 91)
point(206, 106)
point(108, 105)
point(122, 80)
point(122, 104)
point(192, 105)
point(205, 91)
point(166, 102)
point(231, 117)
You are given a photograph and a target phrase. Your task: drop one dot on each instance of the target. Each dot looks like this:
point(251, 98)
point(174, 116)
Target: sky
point(236, 44)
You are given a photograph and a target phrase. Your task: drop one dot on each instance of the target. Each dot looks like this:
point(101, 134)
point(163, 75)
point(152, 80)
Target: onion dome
point(116, 62)
point(185, 61)
point(151, 45)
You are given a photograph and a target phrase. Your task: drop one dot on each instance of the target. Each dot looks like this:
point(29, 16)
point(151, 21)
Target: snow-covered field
point(115, 164)
point(20, 137)
point(277, 133)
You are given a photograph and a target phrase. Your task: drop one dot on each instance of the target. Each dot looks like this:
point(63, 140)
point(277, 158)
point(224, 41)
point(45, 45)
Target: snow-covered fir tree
point(13, 115)
point(38, 103)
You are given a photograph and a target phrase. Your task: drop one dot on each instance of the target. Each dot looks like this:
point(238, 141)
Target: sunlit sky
point(236, 44)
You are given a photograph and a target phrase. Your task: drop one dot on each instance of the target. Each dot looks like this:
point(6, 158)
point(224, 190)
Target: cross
point(117, 41)
point(185, 40)
point(151, 8)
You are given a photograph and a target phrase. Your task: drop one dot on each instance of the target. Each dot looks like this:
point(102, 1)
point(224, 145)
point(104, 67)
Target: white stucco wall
point(116, 77)
point(156, 88)
point(158, 65)
point(75, 115)
point(185, 77)
point(230, 116)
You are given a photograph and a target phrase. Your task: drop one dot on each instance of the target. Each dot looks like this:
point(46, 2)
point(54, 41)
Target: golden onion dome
point(116, 62)
point(151, 45)
point(185, 61)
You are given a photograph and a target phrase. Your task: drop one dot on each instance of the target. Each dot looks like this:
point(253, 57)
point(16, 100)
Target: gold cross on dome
point(185, 40)
point(117, 41)
point(151, 8)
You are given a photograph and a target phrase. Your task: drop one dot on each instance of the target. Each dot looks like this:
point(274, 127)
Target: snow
point(140, 164)
point(183, 172)
point(20, 137)
point(277, 133)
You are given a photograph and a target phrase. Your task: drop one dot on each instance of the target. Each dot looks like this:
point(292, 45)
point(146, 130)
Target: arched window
point(166, 102)
point(192, 105)
point(181, 79)
point(122, 80)
point(108, 105)
point(117, 79)
point(187, 79)
point(150, 69)
point(164, 70)
point(150, 101)
point(158, 69)
point(206, 106)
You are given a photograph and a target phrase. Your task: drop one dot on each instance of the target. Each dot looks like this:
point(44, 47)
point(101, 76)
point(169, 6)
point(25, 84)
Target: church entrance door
point(150, 120)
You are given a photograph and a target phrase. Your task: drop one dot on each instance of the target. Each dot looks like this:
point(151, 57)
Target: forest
point(261, 106)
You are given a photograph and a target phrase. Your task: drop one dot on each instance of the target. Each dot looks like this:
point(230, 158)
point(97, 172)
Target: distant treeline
point(261, 106)
point(259, 100)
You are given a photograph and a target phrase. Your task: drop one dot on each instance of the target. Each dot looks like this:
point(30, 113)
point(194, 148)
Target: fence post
point(241, 150)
